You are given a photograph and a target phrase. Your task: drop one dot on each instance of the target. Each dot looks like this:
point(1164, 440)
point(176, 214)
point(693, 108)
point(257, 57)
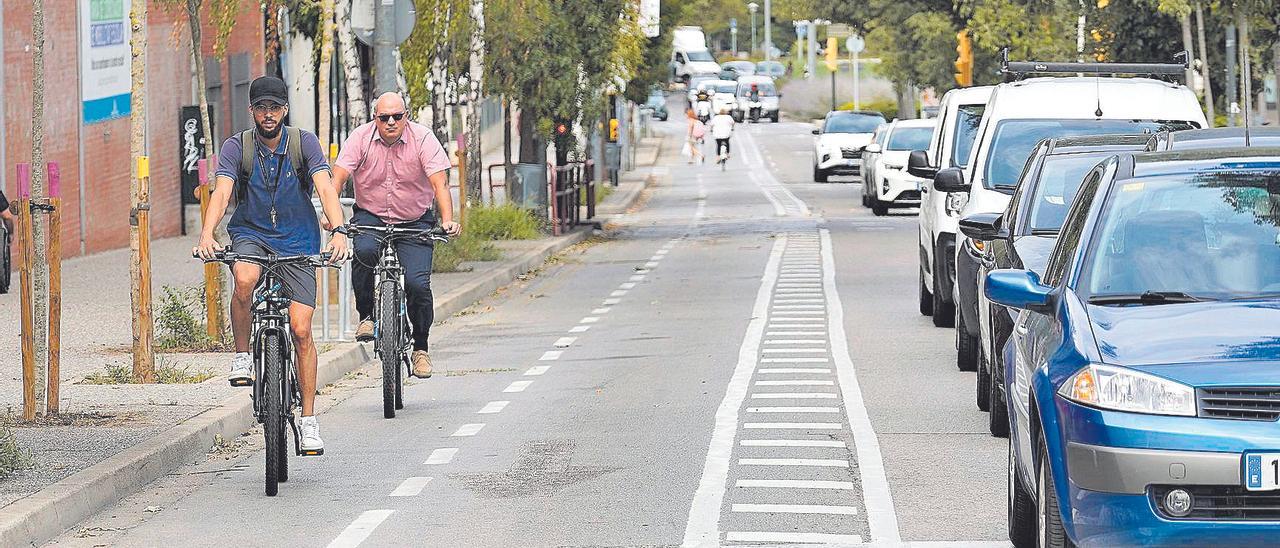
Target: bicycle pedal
point(241, 382)
point(310, 452)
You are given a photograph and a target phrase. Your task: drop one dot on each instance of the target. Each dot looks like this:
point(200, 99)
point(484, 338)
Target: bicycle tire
point(286, 424)
point(400, 372)
point(389, 343)
point(273, 426)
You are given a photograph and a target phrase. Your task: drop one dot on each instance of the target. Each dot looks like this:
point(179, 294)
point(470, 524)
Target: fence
point(570, 186)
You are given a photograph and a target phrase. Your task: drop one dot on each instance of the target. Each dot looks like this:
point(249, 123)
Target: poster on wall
point(190, 150)
point(104, 59)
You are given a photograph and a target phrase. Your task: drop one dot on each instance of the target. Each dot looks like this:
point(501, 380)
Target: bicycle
point(391, 331)
point(276, 393)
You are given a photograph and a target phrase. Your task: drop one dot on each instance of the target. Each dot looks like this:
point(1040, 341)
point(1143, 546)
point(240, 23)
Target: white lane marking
point(785, 537)
point(778, 210)
point(604, 310)
point(611, 302)
point(799, 285)
point(618, 293)
point(651, 264)
point(590, 319)
point(881, 516)
point(793, 396)
point(636, 278)
point(627, 285)
point(445, 455)
point(798, 320)
point(468, 430)
point(772, 181)
point(796, 383)
point(796, 341)
point(642, 271)
point(793, 426)
point(784, 301)
point(410, 487)
point(664, 251)
point(826, 463)
point(780, 307)
point(794, 351)
point(703, 525)
point(550, 355)
point(492, 407)
point(788, 292)
point(779, 409)
point(536, 370)
point(360, 529)
point(565, 342)
point(793, 370)
point(797, 509)
point(795, 484)
point(579, 328)
point(799, 313)
point(792, 443)
point(794, 360)
point(517, 386)
point(792, 333)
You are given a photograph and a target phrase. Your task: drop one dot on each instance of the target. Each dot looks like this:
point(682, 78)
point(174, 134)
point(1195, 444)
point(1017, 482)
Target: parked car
point(886, 181)
point(838, 146)
point(733, 70)
point(694, 85)
point(657, 104)
point(756, 95)
point(1143, 381)
point(867, 160)
point(1222, 137)
point(1024, 234)
point(772, 69)
point(1020, 114)
point(960, 114)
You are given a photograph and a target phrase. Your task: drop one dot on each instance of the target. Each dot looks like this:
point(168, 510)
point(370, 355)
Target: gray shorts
point(298, 281)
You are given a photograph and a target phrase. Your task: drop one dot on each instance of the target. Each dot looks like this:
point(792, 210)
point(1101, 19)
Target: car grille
point(1222, 502)
point(850, 153)
point(1239, 403)
point(909, 195)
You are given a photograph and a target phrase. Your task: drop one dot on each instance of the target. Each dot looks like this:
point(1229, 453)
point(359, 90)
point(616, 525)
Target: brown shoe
point(421, 364)
point(364, 331)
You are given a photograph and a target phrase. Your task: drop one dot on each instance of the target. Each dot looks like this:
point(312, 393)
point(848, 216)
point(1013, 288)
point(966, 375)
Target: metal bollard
point(344, 330)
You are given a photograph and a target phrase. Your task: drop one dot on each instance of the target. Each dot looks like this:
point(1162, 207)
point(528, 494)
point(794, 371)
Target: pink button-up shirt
point(391, 180)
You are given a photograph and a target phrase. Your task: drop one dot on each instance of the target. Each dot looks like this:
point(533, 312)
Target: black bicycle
point(6, 264)
point(391, 331)
point(276, 394)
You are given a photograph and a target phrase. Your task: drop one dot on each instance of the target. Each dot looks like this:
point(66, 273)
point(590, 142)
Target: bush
point(887, 107)
point(504, 222)
point(467, 247)
point(165, 374)
point(180, 322)
point(12, 457)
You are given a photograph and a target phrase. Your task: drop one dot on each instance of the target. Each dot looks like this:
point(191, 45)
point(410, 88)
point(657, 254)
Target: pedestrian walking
point(695, 131)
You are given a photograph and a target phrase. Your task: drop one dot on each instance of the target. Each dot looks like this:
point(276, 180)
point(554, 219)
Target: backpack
point(699, 130)
point(293, 149)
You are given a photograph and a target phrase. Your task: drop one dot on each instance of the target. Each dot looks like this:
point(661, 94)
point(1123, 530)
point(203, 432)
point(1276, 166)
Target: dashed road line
point(565, 342)
point(792, 537)
point(360, 529)
point(468, 430)
point(579, 329)
point(551, 355)
point(797, 509)
point(604, 310)
point(517, 386)
point(794, 484)
point(410, 487)
point(537, 370)
point(445, 455)
point(590, 319)
point(822, 463)
point(492, 407)
point(792, 443)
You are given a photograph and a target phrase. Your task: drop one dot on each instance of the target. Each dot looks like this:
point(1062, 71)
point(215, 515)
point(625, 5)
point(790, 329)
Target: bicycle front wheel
point(273, 396)
point(389, 343)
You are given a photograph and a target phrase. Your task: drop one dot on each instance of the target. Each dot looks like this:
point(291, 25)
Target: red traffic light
point(562, 128)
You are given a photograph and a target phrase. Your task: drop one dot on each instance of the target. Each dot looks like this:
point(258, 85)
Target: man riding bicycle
point(399, 168)
point(722, 129)
point(274, 216)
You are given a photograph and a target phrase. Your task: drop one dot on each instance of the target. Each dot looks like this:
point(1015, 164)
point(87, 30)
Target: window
point(240, 79)
point(1059, 179)
point(1012, 141)
point(909, 138)
point(968, 117)
point(701, 56)
point(853, 123)
point(213, 92)
point(1073, 228)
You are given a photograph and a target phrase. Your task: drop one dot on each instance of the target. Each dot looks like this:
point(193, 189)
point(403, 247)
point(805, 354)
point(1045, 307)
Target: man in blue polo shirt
point(274, 215)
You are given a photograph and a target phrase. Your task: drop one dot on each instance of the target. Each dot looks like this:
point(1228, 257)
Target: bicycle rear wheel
point(389, 343)
point(273, 426)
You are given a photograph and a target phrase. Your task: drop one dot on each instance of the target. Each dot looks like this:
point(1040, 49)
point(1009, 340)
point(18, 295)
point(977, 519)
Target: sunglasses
point(388, 117)
point(267, 107)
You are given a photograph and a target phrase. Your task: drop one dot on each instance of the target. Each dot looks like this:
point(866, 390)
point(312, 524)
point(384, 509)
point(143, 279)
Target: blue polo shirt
point(296, 230)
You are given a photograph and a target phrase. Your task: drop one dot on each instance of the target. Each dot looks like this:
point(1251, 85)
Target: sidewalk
point(114, 439)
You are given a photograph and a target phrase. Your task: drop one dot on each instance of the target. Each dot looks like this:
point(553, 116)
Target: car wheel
point(966, 345)
point(998, 419)
point(819, 175)
point(983, 384)
point(1021, 507)
point(1049, 530)
point(774, 118)
point(879, 208)
point(926, 298)
point(866, 202)
point(943, 312)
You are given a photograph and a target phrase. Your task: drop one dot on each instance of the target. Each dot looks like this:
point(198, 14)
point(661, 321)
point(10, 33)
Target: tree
point(357, 107)
point(40, 278)
point(324, 116)
point(139, 238)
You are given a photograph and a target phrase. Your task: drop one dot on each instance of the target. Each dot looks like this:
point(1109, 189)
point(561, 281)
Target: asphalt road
point(740, 362)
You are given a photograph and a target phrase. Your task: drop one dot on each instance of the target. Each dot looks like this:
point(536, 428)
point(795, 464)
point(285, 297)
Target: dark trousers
point(415, 259)
point(722, 143)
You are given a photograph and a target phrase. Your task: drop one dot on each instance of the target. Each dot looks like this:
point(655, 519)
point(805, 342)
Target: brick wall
point(106, 167)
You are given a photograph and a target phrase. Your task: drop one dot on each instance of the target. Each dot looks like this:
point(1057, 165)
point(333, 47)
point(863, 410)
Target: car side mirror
point(918, 165)
point(984, 226)
point(1018, 289)
point(950, 180)
point(873, 148)
point(817, 131)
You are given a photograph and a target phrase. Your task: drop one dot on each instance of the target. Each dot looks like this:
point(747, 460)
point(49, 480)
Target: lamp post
point(768, 30)
point(752, 7)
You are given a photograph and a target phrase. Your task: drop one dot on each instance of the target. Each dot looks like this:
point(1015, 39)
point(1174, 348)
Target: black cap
point(268, 88)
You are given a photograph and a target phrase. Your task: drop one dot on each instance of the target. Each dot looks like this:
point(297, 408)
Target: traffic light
point(833, 53)
point(964, 59)
point(563, 140)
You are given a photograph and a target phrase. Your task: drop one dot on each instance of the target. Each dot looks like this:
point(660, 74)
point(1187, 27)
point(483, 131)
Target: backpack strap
point(248, 148)
point(299, 162)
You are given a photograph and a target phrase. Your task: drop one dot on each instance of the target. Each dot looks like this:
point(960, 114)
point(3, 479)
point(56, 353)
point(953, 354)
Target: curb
point(37, 518)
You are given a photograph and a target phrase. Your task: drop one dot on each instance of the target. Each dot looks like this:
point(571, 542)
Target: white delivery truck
point(689, 54)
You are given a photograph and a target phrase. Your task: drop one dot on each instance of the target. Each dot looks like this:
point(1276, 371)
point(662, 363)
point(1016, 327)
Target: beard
point(269, 134)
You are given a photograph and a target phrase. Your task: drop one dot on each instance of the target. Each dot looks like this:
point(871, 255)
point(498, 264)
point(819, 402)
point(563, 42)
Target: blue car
point(1143, 373)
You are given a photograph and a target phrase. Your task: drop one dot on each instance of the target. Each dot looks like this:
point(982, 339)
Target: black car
point(1221, 137)
point(1022, 236)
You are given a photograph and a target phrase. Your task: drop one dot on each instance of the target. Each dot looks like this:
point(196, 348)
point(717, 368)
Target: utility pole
point(768, 30)
point(140, 212)
point(811, 37)
point(1230, 57)
point(475, 81)
point(384, 55)
point(40, 275)
point(1204, 65)
point(752, 7)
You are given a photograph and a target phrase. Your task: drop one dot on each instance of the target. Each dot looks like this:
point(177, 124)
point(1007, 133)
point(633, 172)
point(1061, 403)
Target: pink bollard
point(55, 179)
point(24, 181)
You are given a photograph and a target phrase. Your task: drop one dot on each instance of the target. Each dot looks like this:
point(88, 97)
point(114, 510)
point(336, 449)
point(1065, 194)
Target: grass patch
point(467, 247)
point(165, 374)
point(12, 457)
point(180, 325)
point(603, 190)
point(504, 222)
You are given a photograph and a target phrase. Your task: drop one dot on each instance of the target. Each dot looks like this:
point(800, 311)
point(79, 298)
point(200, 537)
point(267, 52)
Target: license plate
point(1262, 471)
point(849, 162)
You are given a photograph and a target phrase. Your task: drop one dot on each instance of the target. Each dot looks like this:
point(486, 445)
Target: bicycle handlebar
point(268, 261)
point(392, 232)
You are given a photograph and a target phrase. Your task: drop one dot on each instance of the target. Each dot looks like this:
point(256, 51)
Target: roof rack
point(1017, 70)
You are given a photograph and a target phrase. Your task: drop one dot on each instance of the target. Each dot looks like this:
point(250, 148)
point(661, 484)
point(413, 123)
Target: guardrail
point(569, 187)
point(339, 325)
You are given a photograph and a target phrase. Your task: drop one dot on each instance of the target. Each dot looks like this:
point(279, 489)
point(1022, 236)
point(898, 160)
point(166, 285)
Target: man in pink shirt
point(400, 172)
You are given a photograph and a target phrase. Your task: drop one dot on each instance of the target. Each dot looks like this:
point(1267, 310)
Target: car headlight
point(956, 202)
point(1123, 389)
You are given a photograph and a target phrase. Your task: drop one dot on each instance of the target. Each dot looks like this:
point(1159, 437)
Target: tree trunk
point(1185, 20)
point(906, 103)
point(507, 169)
point(40, 275)
point(139, 239)
point(324, 117)
point(1204, 65)
point(439, 74)
point(357, 107)
point(215, 285)
point(1275, 55)
point(475, 82)
point(528, 140)
point(1246, 76)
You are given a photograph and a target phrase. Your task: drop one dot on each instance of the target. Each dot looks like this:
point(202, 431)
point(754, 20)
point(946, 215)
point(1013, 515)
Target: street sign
point(854, 44)
point(650, 10)
point(733, 24)
point(362, 19)
point(839, 30)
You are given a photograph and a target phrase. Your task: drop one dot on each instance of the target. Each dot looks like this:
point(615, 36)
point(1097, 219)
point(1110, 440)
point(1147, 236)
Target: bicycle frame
point(270, 313)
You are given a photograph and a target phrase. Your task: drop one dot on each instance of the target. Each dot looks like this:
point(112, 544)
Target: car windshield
point(697, 82)
point(724, 88)
point(769, 67)
point(700, 55)
point(853, 123)
point(766, 89)
point(741, 67)
point(1060, 178)
point(968, 117)
point(1013, 141)
point(909, 138)
point(657, 100)
point(1210, 235)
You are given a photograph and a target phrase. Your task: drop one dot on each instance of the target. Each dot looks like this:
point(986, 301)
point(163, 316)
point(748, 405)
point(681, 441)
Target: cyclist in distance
point(400, 172)
point(722, 130)
point(274, 215)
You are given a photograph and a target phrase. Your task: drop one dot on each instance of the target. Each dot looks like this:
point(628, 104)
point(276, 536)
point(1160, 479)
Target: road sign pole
point(768, 31)
point(856, 82)
point(384, 60)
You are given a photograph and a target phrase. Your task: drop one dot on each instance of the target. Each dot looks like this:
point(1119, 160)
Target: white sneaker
point(241, 370)
point(310, 433)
